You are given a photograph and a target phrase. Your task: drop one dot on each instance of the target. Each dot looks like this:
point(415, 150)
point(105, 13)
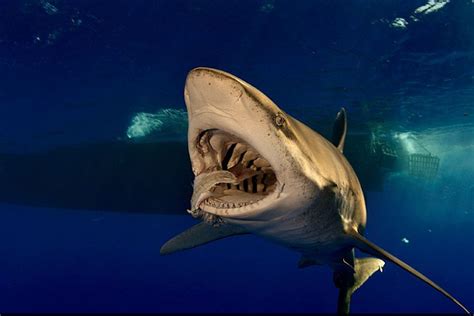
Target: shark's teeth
point(218, 151)
point(209, 218)
point(228, 155)
point(217, 143)
point(260, 162)
point(249, 157)
point(236, 155)
point(203, 143)
point(220, 204)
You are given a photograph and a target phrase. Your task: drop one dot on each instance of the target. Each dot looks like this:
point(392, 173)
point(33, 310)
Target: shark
point(257, 170)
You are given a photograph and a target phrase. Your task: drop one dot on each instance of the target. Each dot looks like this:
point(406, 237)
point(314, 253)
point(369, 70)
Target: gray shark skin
point(291, 185)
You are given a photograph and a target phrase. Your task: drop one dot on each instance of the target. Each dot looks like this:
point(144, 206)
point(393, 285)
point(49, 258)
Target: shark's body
point(260, 171)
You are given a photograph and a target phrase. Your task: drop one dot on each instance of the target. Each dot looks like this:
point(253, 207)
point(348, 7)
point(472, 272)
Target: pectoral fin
point(198, 235)
point(368, 247)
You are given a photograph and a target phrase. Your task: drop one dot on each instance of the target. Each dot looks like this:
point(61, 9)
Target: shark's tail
point(368, 247)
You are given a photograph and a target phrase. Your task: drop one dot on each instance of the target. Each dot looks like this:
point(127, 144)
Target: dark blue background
point(68, 82)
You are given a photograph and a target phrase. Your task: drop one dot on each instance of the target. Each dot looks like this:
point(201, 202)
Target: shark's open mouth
point(254, 176)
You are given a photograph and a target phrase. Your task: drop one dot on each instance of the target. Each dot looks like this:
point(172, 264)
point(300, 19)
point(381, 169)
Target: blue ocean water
point(75, 73)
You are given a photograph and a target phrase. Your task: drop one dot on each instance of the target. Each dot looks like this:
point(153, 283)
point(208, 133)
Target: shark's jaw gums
point(254, 178)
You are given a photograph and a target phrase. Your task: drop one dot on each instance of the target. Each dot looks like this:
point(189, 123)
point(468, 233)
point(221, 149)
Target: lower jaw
point(221, 205)
point(232, 202)
point(225, 208)
point(211, 214)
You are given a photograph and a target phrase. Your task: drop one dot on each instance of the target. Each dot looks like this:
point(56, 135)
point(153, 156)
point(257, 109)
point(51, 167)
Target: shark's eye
point(279, 120)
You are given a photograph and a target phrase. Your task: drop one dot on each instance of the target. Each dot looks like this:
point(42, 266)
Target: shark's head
point(235, 127)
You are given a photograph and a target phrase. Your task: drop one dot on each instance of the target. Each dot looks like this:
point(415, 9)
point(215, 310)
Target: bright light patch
point(432, 6)
point(405, 240)
point(399, 23)
point(143, 124)
point(408, 142)
point(165, 120)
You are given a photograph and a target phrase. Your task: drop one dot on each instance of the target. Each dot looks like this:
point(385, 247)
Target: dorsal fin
point(198, 235)
point(339, 130)
point(368, 247)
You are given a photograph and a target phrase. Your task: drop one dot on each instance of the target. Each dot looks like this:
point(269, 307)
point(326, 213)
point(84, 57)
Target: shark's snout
point(212, 90)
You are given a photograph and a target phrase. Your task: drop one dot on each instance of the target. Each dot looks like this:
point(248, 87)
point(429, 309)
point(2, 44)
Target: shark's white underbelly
point(314, 232)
